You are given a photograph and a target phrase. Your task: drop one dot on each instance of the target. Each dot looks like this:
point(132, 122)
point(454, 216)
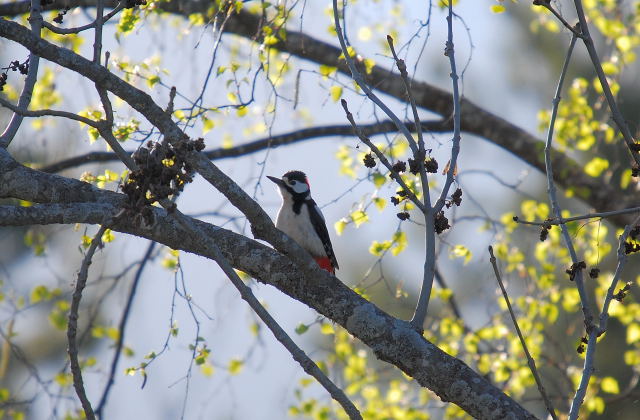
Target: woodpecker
point(301, 219)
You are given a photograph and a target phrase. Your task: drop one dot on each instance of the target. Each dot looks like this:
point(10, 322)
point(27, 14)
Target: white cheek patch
point(300, 187)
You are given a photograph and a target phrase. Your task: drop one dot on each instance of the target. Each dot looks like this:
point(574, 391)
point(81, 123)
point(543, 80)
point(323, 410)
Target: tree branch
point(73, 324)
point(305, 134)
point(32, 76)
point(121, 330)
point(308, 365)
point(474, 119)
point(530, 361)
point(392, 340)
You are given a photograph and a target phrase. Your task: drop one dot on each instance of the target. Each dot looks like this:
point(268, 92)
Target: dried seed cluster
point(130, 4)
point(162, 172)
point(23, 68)
point(633, 245)
point(575, 268)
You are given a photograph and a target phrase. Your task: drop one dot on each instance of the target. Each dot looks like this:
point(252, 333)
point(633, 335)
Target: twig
point(591, 329)
point(121, 329)
point(383, 159)
point(104, 128)
point(35, 19)
point(245, 292)
point(402, 68)
point(589, 359)
point(597, 65)
point(429, 263)
point(455, 147)
point(547, 5)
point(305, 362)
point(46, 113)
point(551, 190)
point(72, 328)
point(562, 220)
point(68, 31)
point(304, 134)
point(97, 43)
point(357, 77)
point(418, 152)
point(622, 259)
point(530, 361)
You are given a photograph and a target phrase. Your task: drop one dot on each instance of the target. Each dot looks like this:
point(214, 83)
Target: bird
point(301, 219)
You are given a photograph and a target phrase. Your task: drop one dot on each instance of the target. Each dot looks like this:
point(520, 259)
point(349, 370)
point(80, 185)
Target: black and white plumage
point(301, 219)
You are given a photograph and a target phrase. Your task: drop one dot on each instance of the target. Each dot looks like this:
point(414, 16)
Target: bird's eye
point(293, 182)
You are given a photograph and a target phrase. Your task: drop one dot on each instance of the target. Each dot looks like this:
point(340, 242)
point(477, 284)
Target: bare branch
point(383, 159)
point(46, 113)
point(278, 332)
point(35, 19)
point(73, 324)
point(622, 259)
point(474, 119)
point(530, 361)
point(563, 220)
point(575, 30)
point(255, 146)
point(357, 77)
point(594, 333)
point(551, 190)
point(121, 329)
point(68, 31)
point(604, 83)
point(402, 68)
point(391, 339)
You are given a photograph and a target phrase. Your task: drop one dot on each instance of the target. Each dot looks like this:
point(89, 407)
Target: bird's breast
point(299, 228)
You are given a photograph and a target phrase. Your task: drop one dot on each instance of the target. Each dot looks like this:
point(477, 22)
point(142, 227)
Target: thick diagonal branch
point(392, 340)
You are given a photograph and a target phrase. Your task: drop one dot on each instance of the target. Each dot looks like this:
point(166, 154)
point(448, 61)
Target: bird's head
point(292, 184)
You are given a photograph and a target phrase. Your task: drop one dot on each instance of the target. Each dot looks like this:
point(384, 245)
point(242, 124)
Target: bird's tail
point(325, 264)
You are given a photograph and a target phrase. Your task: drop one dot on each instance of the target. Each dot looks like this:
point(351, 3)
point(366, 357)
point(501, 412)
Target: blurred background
point(510, 68)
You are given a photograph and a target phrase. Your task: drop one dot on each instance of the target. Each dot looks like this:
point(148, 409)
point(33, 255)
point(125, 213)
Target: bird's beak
point(277, 181)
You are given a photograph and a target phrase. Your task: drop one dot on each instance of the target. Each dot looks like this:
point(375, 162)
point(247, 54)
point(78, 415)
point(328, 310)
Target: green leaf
point(242, 111)
point(378, 179)
point(327, 71)
point(380, 203)
point(327, 329)
point(64, 379)
point(369, 63)
point(359, 217)
point(596, 166)
point(336, 93)
point(108, 236)
point(128, 20)
point(378, 248)
point(151, 81)
point(460, 251)
point(633, 333)
point(270, 40)
point(625, 179)
point(235, 366)
point(610, 385)
point(302, 328)
point(207, 125)
point(400, 241)
point(40, 293)
point(58, 316)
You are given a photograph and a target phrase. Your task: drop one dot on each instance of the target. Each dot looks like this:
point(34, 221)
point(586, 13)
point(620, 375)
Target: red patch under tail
point(325, 264)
